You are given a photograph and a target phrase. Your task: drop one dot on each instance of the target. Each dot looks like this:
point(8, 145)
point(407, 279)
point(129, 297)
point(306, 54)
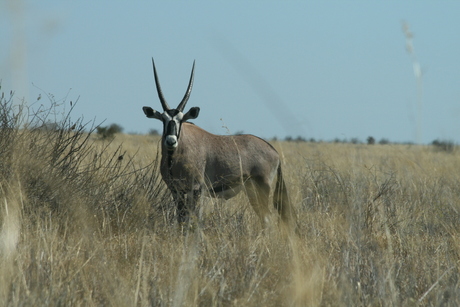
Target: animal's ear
point(191, 114)
point(151, 113)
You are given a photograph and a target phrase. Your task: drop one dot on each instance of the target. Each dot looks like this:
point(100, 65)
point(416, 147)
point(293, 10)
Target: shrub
point(59, 168)
point(443, 145)
point(355, 141)
point(154, 132)
point(108, 132)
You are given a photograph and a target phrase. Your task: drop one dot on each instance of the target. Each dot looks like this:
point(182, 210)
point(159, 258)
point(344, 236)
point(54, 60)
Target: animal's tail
point(281, 198)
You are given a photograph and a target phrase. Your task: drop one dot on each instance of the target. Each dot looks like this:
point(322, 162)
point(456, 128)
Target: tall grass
point(89, 222)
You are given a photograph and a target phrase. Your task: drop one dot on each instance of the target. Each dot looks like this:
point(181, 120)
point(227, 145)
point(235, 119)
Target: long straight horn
point(187, 93)
point(164, 104)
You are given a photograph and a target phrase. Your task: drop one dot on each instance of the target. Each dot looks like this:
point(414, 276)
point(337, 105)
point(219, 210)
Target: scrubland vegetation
point(87, 222)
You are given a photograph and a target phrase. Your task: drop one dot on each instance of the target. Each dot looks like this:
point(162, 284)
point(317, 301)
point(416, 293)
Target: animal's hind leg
point(258, 193)
point(282, 203)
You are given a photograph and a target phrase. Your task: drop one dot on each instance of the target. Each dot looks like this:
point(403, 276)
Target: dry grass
point(376, 225)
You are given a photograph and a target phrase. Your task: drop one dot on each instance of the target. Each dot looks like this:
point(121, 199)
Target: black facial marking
point(172, 112)
point(171, 128)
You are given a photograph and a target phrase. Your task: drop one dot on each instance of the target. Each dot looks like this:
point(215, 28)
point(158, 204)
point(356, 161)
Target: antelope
point(195, 161)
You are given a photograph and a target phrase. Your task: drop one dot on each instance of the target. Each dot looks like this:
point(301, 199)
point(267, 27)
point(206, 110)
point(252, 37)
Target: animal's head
point(172, 118)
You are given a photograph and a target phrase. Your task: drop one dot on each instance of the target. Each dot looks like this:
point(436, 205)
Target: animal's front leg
point(186, 203)
point(190, 200)
point(196, 196)
point(182, 212)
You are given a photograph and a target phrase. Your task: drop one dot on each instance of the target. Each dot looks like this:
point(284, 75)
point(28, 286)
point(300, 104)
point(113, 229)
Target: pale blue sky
point(318, 69)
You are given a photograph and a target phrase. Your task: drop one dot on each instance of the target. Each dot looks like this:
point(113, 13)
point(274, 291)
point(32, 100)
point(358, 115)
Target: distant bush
point(297, 139)
point(370, 140)
point(300, 139)
point(443, 145)
point(384, 141)
point(108, 132)
point(355, 141)
point(154, 132)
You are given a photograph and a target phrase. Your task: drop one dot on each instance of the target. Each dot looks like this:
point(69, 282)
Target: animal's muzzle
point(171, 141)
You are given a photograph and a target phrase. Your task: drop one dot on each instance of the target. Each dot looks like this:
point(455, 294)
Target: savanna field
point(87, 221)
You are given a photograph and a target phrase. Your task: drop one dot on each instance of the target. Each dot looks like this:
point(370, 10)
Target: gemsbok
point(196, 162)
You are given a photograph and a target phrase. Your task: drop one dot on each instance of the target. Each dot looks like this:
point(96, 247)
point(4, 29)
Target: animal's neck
point(181, 152)
point(169, 158)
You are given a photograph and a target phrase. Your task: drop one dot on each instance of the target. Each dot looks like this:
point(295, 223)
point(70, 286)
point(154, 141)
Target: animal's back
point(230, 158)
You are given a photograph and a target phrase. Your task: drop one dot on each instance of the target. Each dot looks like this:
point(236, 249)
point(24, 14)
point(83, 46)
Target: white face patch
point(179, 116)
